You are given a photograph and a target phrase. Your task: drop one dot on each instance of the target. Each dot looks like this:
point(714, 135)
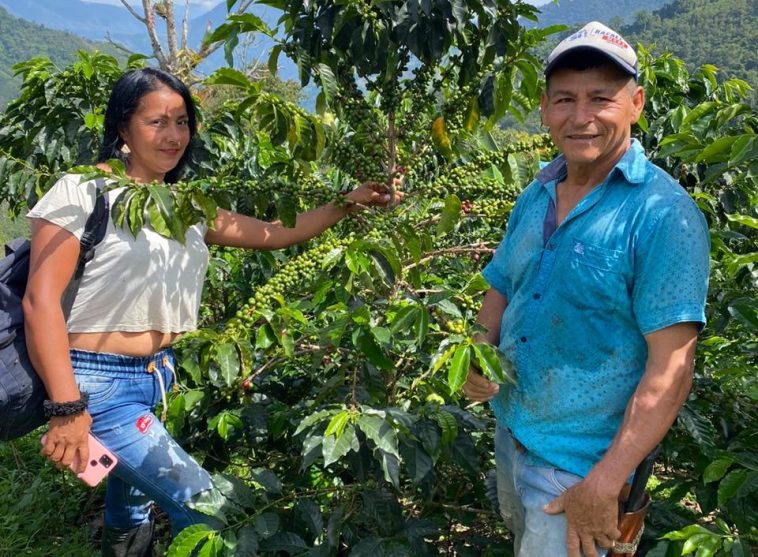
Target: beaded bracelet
point(54, 409)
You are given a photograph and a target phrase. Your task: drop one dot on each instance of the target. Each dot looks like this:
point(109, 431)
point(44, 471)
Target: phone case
point(101, 461)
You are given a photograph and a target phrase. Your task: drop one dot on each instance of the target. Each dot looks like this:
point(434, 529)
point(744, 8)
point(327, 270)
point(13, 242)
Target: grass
point(44, 512)
point(11, 227)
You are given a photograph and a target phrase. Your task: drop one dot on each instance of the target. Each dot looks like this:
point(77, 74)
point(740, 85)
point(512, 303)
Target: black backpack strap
point(94, 232)
point(94, 229)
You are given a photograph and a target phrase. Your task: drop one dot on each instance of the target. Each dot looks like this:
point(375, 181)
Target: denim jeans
point(523, 489)
point(152, 467)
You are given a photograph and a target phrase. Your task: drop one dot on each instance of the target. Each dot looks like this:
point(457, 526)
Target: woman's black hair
point(124, 100)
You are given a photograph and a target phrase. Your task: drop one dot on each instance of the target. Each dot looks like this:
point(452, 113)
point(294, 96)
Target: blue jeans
point(523, 489)
point(152, 467)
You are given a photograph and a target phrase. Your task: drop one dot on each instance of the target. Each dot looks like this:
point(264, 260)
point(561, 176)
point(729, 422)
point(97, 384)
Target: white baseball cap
point(596, 37)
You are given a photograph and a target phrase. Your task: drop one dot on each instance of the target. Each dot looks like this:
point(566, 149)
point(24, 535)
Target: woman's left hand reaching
point(374, 194)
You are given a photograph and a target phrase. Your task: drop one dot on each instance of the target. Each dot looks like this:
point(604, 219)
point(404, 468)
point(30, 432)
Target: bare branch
point(185, 26)
point(134, 13)
point(118, 45)
point(168, 6)
point(154, 41)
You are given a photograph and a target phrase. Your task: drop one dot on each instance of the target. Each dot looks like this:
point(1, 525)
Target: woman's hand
point(65, 437)
point(374, 194)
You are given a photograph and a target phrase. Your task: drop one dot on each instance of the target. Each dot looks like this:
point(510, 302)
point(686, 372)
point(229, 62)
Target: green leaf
point(226, 423)
point(421, 326)
point(228, 76)
point(227, 357)
point(716, 469)
point(417, 461)
point(334, 447)
point(380, 432)
point(451, 214)
point(310, 513)
point(687, 532)
point(459, 368)
point(289, 542)
point(440, 137)
point(266, 524)
point(265, 479)
point(337, 423)
point(745, 311)
point(264, 337)
point(157, 221)
point(494, 364)
point(441, 357)
point(448, 426)
point(390, 467)
point(403, 318)
point(744, 220)
point(249, 23)
point(93, 121)
point(273, 59)
point(471, 118)
point(287, 210)
point(188, 539)
point(743, 150)
point(382, 334)
point(247, 542)
point(717, 151)
point(329, 84)
point(368, 346)
point(210, 502)
point(730, 485)
point(207, 205)
point(314, 418)
point(691, 544)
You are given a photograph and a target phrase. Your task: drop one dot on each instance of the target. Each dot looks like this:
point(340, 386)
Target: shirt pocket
point(594, 278)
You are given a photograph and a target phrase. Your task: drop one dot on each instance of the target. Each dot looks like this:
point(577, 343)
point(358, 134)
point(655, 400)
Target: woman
point(106, 367)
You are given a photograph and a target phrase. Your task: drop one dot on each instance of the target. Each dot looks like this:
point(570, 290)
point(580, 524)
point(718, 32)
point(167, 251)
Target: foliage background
point(325, 382)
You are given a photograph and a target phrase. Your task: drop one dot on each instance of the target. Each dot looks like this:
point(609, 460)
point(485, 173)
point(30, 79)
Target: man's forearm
point(652, 409)
point(490, 315)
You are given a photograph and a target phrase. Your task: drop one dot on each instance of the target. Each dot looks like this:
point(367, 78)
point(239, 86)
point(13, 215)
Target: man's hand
point(477, 388)
point(591, 518)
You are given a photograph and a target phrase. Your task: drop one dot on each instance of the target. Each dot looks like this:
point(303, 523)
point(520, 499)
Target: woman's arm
point(54, 256)
point(235, 230)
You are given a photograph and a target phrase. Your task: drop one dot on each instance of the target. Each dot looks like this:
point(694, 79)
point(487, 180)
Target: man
point(597, 295)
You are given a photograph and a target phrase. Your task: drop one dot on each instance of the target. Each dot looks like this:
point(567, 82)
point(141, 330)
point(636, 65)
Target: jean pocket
point(99, 389)
point(562, 479)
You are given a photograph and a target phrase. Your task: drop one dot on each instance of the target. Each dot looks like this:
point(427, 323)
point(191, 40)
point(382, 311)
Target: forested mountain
point(87, 20)
point(21, 40)
point(719, 32)
point(569, 12)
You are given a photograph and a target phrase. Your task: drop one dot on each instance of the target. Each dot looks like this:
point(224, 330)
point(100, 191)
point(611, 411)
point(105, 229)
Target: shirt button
point(537, 296)
point(523, 339)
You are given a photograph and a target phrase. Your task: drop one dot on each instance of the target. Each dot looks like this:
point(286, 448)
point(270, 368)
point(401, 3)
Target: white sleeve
point(67, 204)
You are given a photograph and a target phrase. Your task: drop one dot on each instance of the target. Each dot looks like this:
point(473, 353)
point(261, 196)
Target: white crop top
point(131, 284)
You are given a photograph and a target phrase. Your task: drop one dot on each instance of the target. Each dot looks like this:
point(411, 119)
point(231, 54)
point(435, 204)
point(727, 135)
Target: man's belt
point(632, 511)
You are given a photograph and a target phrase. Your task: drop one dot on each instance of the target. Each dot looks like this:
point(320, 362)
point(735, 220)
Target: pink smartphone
point(101, 461)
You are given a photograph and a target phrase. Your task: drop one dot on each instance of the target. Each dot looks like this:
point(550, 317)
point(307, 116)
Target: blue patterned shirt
point(631, 258)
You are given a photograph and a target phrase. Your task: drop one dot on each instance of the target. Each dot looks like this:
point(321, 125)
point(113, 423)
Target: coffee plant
point(323, 387)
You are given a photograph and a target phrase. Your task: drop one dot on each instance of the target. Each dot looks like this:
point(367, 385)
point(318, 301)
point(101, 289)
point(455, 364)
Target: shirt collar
point(631, 165)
